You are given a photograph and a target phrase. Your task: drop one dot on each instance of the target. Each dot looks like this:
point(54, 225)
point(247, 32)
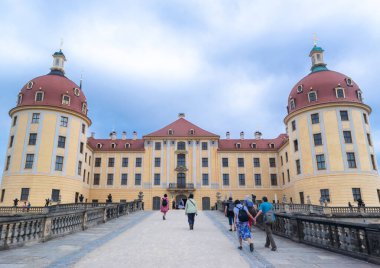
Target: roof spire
point(58, 62)
point(81, 79)
point(316, 55)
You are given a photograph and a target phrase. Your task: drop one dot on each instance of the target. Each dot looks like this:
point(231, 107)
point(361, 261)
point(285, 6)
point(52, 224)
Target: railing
point(69, 218)
point(187, 186)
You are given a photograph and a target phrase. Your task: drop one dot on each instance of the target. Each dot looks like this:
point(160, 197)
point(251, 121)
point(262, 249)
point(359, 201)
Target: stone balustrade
point(58, 220)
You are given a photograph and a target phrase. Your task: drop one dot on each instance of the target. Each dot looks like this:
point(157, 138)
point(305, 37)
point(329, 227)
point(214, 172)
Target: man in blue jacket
point(266, 209)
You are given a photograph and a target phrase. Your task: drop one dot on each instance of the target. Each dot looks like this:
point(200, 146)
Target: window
point(19, 99)
point(96, 179)
point(11, 141)
point(61, 141)
point(66, 99)
point(138, 161)
point(314, 118)
point(84, 108)
point(226, 179)
point(89, 160)
point(170, 132)
point(298, 166)
point(157, 179)
point(157, 145)
point(321, 163)
point(299, 88)
point(325, 195)
point(14, 120)
point(344, 115)
point(192, 131)
point(312, 96)
point(253, 145)
point(273, 179)
point(29, 85)
point(240, 162)
point(58, 163)
point(288, 173)
point(64, 121)
point(55, 196)
point(181, 145)
point(110, 179)
point(351, 160)
point(84, 175)
point(286, 157)
point(356, 194)
point(127, 145)
point(271, 145)
point(157, 162)
point(29, 161)
point(181, 160)
point(359, 95)
point(256, 162)
point(39, 96)
point(35, 118)
point(98, 161)
point(76, 91)
point(85, 157)
point(137, 179)
point(295, 143)
point(225, 162)
point(79, 167)
point(83, 128)
point(302, 198)
point(32, 139)
point(272, 162)
point(378, 195)
point(124, 179)
point(365, 119)
point(204, 145)
point(373, 162)
point(111, 162)
point(124, 162)
point(99, 145)
point(283, 178)
point(317, 139)
point(3, 195)
point(339, 93)
point(258, 179)
point(204, 162)
point(204, 179)
point(292, 104)
point(238, 145)
point(81, 147)
point(369, 139)
point(241, 179)
point(347, 136)
point(8, 162)
point(349, 82)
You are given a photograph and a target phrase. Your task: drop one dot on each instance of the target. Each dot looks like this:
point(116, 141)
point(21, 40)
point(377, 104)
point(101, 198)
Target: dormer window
point(84, 108)
point(340, 93)
point(39, 96)
point(349, 82)
point(359, 95)
point(76, 91)
point(66, 99)
point(19, 99)
point(292, 104)
point(238, 145)
point(253, 145)
point(127, 145)
point(192, 131)
point(312, 96)
point(99, 145)
point(29, 85)
point(113, 145)
point(300, 89)
point(170, 132)
point(271, 145)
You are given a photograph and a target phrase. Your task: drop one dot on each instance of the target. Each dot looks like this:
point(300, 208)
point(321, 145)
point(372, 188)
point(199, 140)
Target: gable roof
point(181, 128)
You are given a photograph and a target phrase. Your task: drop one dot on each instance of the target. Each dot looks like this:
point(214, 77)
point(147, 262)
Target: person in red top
point(164, 206)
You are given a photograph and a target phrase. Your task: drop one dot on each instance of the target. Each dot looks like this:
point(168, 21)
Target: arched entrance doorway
point(206, 203)
point(181, 180)
point(178, 200)
point(156, 203)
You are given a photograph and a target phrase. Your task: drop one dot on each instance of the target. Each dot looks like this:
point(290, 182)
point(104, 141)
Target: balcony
point(181, 186)
point(181, 168)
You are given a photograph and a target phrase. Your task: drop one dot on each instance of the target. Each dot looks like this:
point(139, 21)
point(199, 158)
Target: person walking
point(191, 210)
point(241, 224)
point(164, 206)
point(229, 212)
point(266, 209)
point(249, 204)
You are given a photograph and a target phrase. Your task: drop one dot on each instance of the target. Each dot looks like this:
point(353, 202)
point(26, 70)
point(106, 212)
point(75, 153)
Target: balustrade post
point(104, 214)
point(294, 229)
point(327, 211)
point(84, 220)
point(287, 208)
point(46, 234)
point(373, 244)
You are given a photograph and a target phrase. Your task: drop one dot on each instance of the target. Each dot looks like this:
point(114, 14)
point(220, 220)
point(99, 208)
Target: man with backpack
point(229, 212)
point(241, 224)
point(266, 209)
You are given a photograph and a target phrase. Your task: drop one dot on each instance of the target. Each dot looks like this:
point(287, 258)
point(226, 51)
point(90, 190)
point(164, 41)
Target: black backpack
point(243, 215)
point(164, 202)
point(231, 206)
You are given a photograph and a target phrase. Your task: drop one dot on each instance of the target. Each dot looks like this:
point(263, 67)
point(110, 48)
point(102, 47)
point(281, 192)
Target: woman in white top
point(191, 210)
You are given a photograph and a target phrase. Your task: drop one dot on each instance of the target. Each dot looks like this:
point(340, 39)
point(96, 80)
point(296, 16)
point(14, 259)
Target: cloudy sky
point(229, 65)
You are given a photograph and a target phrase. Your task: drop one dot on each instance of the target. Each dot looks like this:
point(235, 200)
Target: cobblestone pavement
point(143, 239)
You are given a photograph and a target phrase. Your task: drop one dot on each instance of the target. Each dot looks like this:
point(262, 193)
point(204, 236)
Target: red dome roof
point(324, 83)
point(54, 87)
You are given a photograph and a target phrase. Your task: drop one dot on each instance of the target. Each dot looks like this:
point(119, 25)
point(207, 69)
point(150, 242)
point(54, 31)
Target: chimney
point(242, 135)
point(124, 135)
point(113, 135)
point(134, 135)
point(92, 134)
point(181, 115)
point(227, 135)
point(258, 135)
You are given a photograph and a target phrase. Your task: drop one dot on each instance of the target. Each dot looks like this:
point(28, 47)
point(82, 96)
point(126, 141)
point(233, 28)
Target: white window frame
point(170, 132)
point(99, 145)
point(113, 145)
point(127, 145)
point(19, 98)
point(359, 95)
point(84, 108)
point(316, 95)
point(253, 145)
point(76, 91)
point(292, 104)
point(271, 145)
point(63, 99)
point(192, 131)
point(238, 145)
point(29, 85)
point(336, 92)
point(349, 82)
point(299, 89)
point(35, 96)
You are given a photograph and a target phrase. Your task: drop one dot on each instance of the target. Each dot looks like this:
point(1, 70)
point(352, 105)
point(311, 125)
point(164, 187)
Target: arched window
point(99, 145)
point(113, 145)
point(292, 104)
point(19, 99)
point(340, 93)
point(66, 99)
point(181, 145)
point(181, 160)
point(39, 96)
point(312, 96)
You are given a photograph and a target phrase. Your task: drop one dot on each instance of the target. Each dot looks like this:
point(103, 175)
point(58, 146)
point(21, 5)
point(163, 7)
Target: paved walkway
point(143, 239)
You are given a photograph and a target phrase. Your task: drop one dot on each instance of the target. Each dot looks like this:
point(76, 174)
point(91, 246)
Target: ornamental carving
point(181, 169)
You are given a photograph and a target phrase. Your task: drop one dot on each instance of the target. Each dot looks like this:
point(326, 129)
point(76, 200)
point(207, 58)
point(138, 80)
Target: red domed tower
point(47, 155)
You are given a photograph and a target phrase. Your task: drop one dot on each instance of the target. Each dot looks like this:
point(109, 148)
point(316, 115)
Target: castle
point(326, 154)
